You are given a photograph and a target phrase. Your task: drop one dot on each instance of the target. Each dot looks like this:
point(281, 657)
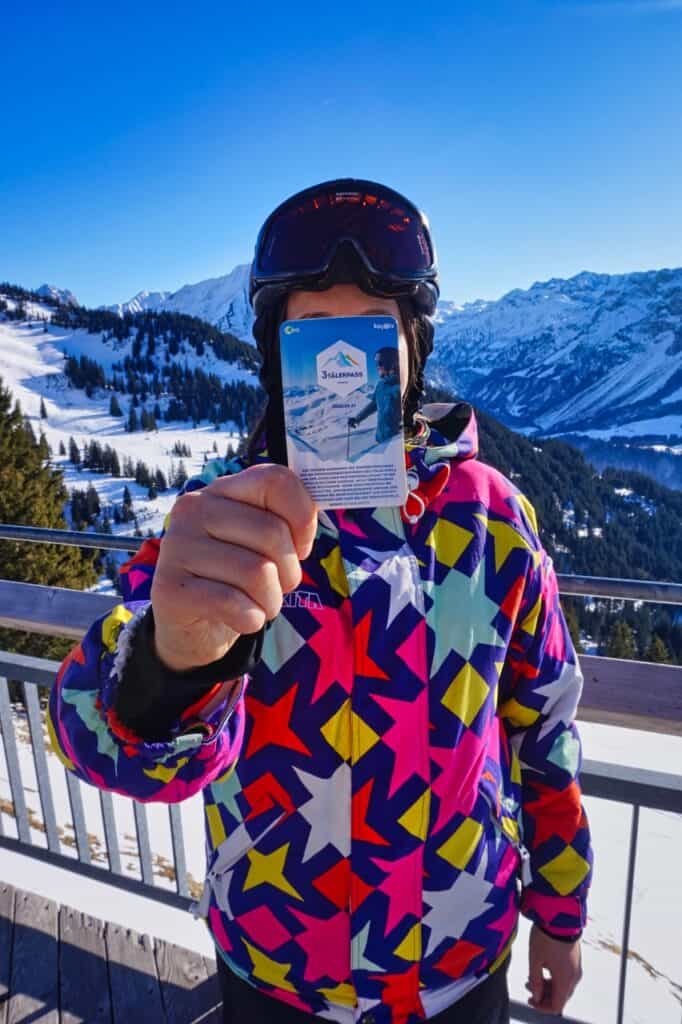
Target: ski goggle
point(299, 240)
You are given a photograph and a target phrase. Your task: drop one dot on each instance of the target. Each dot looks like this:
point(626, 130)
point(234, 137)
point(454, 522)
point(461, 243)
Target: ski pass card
point(343, 409)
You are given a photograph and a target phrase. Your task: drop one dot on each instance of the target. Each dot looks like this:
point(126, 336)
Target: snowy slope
point(597, 354)
point(31, 365)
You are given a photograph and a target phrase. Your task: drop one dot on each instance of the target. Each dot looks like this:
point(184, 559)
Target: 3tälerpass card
point(342, 392)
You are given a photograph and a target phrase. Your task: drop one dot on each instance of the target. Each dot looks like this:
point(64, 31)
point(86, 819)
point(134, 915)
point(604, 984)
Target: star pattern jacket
point(398, 776)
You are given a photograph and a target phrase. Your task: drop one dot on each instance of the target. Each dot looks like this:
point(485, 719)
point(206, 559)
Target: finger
point(249, 527)
point(562, 989)
point(256, 575)
point(535, 982)
point(195, 598)
point(278, 490)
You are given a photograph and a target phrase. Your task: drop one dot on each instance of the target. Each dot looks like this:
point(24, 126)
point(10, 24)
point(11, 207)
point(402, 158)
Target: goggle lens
point(299, 238)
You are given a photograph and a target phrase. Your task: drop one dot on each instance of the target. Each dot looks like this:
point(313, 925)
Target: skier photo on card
point(386, 399)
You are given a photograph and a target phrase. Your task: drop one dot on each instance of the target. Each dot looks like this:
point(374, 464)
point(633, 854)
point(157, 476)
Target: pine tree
point(43, 447)
point(62, 449)
point(657, 651)
point(115, 406)
point(180, 478)
point(33, 494)
point(74, 453)
point(160, 481)
point(621, 642)
point(143, 476)
point(92, 503)
point(132, 423)
point(43, 410)
point(128, 513)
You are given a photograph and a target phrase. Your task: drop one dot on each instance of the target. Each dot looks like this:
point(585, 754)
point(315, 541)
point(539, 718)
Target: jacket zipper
point(200, 907)
point(523, 852)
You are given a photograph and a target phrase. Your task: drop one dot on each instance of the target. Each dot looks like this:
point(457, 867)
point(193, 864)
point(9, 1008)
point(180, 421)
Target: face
point(348, 300)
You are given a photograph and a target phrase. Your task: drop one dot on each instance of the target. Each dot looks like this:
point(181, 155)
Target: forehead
point(339, 300)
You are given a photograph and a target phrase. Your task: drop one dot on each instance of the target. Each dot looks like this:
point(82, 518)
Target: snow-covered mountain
point(62, 295)
point(223, 301)
point(598, 354)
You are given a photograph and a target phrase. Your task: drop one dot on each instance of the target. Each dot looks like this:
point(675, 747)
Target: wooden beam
point(135, 992)
point(83, 975)
point(6, 939)
point(635, 694)
point(188, 994)
point(55, 611)
point(34, 987)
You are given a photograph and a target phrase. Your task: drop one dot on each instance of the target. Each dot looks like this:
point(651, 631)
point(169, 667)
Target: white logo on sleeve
point(341, 368)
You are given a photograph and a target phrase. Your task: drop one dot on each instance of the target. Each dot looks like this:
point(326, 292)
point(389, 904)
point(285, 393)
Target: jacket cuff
point(569, 939)
point(151, 699)
point(561, 917)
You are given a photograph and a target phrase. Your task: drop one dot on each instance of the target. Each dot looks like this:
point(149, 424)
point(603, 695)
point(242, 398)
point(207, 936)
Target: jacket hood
point(453, 431)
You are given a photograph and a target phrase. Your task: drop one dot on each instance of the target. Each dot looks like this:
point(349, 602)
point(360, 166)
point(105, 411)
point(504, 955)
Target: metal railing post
point(13, 767)
point(40, 762)
point(634, 831)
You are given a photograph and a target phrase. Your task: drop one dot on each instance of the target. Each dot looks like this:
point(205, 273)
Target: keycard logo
point(341, 368)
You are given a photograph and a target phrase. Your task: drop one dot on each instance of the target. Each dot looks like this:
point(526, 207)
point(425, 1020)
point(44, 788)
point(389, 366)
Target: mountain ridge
point(598, 355)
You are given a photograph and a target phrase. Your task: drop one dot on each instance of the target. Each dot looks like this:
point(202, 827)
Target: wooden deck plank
point(34, 984)
point(188, 994)
point(133, 982)
point(83, 974)
point(61, 966)
point(6, 938)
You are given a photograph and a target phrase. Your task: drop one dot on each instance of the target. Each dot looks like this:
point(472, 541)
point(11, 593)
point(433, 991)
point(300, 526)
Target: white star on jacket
point(321, 811)
point(454, 908)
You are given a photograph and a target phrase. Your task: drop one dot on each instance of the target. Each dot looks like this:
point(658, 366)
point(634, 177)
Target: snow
point(106, 902)
point(63, 295)
point(616, 334)
point(663, 425)
point(222, 301)
point(31, 365)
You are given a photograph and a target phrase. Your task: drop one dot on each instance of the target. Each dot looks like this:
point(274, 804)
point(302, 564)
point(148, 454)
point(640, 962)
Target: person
point(386, 400)
point(377, 705)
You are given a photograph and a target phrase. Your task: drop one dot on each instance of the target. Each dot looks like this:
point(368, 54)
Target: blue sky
point(142, 145)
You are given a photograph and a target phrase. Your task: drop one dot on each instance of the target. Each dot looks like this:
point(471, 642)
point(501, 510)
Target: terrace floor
point(60, 966)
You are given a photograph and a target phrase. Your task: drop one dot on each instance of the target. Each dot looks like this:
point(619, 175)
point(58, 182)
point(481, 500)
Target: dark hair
point(418, 331)
point(388, 358)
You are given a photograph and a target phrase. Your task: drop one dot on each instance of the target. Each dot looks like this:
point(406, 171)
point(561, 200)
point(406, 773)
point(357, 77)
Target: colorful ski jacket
point(398, 776)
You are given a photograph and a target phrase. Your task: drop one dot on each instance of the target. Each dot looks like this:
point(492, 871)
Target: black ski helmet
point(347, 255)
